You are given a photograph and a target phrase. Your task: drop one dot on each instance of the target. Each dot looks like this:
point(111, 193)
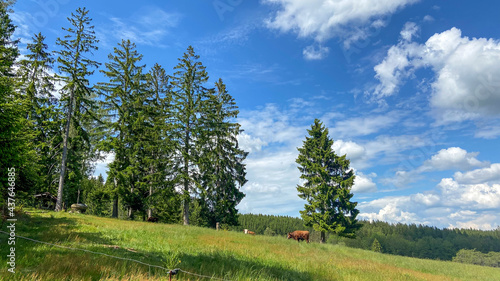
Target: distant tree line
point(422, 241)
point(475, 257)
point(461, 245)
point(173, 136)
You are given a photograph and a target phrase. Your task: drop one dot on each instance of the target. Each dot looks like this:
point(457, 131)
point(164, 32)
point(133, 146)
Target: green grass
point(222, 254)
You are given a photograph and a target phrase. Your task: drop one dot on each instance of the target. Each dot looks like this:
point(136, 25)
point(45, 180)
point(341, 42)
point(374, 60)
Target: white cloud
point(484, 221)
point(271, 125)
point(324, 19)
point(488, 132)
point(101, 167)
point(249, 143)
point(364, 183)
point(23, 31)
point(428, 18)
point(410, 29)
point(147, 26)
point(452, 158)
point(392, 146)
point(363, 126)
point(315, 53)
point(487, 174)
point(389, 209)
point(402, 179)
point(473, 196)
point(450, 204)
point(354, 151)
point(271, 135)
point(386, 149)
point(272, 180)
point(466, 84)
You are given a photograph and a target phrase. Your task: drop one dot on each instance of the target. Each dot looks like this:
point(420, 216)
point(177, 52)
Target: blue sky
point(409, 89)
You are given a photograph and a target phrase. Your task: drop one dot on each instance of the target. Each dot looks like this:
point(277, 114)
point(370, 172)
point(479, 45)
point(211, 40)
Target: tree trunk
point(65, 154)
point(130, 210)
point(115, 202)
point(186, 178)
point(150, 209)
point(130, 213)
point(322, 237)
point(115, 207)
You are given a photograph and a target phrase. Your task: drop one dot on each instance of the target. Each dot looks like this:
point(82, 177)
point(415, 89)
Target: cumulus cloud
point(450, 204)
point(386, 149)
point(271, 125)
point(352, 150)
point(487, 174)
point(466, 85)
point(321, 20)
point(452, 158)
point(364, 183)
point(272, 136)
point(410, 29)
point(250, 144)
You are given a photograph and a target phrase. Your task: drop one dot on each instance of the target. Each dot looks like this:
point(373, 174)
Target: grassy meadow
point(221, 254)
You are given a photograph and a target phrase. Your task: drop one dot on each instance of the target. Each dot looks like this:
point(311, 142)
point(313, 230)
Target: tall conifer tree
point(327, 186)
point(124, 101)
point(16, 137)
point(189, 104)
point(160, 174)
point(221, 162)
point(76, 94)
point(37, 85)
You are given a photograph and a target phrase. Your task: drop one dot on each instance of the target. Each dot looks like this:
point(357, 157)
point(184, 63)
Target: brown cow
point(248, 232)
point(152, 219)
point(299, 235)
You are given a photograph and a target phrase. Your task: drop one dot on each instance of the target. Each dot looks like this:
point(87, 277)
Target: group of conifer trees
point(173, 137)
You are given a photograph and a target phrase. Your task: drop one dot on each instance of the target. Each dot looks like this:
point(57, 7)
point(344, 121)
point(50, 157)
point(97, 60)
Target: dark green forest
point(419, 241)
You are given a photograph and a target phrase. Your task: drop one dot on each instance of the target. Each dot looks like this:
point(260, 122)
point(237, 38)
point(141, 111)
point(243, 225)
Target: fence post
point(217, 226)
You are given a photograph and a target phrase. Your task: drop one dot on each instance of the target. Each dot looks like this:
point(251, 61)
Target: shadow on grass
point(224, 265)
point(54, 263)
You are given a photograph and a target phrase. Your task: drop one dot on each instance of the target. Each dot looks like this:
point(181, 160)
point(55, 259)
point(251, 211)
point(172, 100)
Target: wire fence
point(169, 271)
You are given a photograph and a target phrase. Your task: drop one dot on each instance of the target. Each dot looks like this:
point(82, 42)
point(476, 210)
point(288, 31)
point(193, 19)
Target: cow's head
point(289, 235)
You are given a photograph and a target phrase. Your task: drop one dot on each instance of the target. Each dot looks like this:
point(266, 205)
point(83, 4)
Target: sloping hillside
point(223, 254)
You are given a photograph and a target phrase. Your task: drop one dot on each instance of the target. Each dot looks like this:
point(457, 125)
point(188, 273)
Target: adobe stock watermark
point(364, 41)
point(411, 162)
point(11, 206)
point(223, 6)
point(47, 9)
point(489, 85)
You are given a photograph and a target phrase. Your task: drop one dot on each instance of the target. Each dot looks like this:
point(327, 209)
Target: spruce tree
point(76, 93)
point(327, 186)
point(124, 101)
point(222, 171)
point(36, 83)
point(10, 114)
point(16, 145)
point(159, 146)
point(376, 247)
point(189, 104)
